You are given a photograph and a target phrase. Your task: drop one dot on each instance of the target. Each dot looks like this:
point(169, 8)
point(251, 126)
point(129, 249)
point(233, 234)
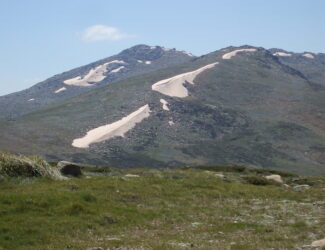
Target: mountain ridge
point(138, 59)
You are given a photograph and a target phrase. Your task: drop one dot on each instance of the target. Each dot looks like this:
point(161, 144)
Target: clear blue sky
point(40, 38)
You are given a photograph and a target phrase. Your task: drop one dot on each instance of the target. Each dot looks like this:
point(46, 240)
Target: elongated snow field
point(282, 54)
point(231, 54)
point(93, 76)
point(174, 86)
point(117, 69)
point(118, 128)
point(60, 90)
point(308, 55)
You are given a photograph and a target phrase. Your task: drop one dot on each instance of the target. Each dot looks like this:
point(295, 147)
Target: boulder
point(69, 168)
point(219, 175)
point(274, 177)
point(300, 188)
point(318, 243)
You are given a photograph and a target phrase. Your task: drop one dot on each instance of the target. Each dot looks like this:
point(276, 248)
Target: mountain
point(130, 62)
point(235, 106)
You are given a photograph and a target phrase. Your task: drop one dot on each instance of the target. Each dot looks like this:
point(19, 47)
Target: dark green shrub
point(237, 169)
point(257, 180)
point(269, 172)
point(88, 197)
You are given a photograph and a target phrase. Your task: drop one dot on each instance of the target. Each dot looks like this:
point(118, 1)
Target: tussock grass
point(26, 166)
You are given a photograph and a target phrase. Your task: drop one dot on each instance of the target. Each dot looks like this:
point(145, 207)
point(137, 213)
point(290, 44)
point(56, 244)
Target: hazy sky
point(41, 38)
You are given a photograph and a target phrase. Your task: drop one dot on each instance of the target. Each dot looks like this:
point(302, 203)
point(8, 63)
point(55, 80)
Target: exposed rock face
point(274, 177)
point(69, 169)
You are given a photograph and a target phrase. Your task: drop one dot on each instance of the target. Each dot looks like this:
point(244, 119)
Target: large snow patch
point(94, 75)
point(174, 86)
point(118, 128)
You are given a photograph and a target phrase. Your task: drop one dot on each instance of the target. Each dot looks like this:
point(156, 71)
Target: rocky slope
point(130, 62)
point(233, 106)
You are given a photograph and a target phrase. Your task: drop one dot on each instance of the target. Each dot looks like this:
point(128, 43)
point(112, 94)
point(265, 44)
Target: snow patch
point(117, 69)
point(153, 47)
point(164, 104)
point(165, 49)
point(282, 54)
point(145, 62)
point(118, 128)
point(32, 99)
point(231, 54)
point(60, 90)
point(171, 123)
point(174, 86)
point(93, 76)
point(308, 55)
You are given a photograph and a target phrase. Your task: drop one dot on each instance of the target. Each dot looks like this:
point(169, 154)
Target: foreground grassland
point(161, 209)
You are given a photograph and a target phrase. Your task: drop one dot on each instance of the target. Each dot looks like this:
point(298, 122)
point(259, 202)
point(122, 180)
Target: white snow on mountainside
point(60, 90)
point(164, 104)
point(118, 128)
point(174, 86)
point(93, 76)
point(235, 52)
point(282, 54)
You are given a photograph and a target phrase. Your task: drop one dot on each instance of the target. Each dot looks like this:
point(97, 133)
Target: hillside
point(130, 62)
point(201, 208)
point(235, 106)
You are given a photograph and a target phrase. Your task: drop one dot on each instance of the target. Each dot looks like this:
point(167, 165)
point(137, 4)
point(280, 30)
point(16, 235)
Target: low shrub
point(270, 171)
point(257, 180)
point(237, 169)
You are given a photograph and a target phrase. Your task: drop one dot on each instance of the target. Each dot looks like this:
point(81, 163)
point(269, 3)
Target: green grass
point(158, 211)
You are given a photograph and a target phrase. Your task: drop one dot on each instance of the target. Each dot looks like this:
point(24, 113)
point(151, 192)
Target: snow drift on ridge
point(282, 54)
point(308, 55)
point(231, 54)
